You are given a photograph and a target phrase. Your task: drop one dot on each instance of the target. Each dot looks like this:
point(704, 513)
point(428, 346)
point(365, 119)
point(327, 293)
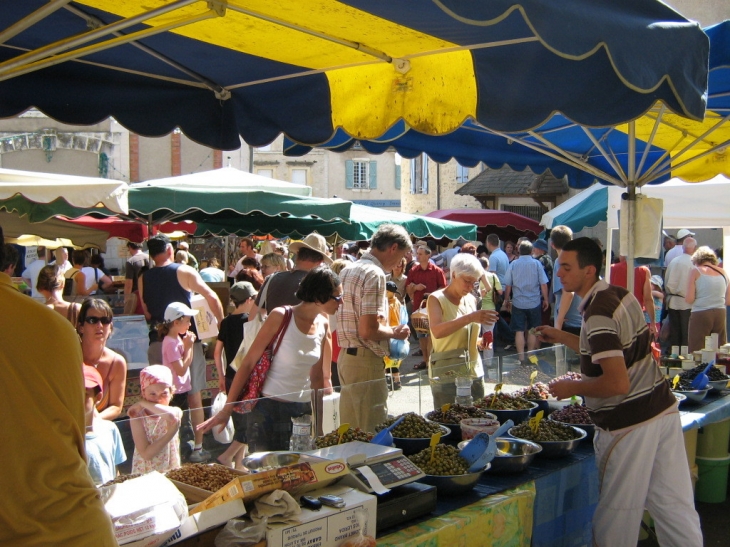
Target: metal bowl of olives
point(718, 385)
point(575, 415)
point(513, 455)
point(551, 430)
point(412, 445)
point(693, 395)
point(517, 416)
point(453, 485)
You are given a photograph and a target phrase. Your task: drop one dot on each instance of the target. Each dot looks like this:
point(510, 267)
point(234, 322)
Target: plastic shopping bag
point(225, 436)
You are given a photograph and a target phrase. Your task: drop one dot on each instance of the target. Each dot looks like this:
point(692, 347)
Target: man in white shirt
point(248, 249)
point(675, 286)
point(62, 260)
point(673, 253)
point(30, 274)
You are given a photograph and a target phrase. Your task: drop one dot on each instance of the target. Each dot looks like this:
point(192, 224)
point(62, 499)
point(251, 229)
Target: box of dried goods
point(296, 478)
point(197, 481)
point(197, 523)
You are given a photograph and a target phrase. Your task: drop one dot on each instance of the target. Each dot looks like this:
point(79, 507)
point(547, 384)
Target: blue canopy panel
point(591, 211)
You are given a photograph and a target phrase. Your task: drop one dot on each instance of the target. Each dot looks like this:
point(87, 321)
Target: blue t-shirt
point(573, 318)
point(104, 450)
point(498, 263)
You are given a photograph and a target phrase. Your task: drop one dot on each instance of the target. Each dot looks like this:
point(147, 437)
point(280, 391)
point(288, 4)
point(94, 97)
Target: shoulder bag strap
point(276, 341)
point(265, 291)
point(721, 272)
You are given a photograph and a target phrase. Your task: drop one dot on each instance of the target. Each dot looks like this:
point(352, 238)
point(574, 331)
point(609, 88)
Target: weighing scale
point(373, 468)
point(385, 471)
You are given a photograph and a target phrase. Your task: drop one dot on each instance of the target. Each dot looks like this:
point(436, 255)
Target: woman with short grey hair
point(454, 322)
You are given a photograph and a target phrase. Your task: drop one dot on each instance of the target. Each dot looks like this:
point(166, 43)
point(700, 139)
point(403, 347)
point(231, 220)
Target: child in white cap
point(155, 423)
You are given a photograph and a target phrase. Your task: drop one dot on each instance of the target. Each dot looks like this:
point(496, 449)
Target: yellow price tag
point(532, 359)
point(497, 389)
point(675, 382)
point(341, 431)
point(534, 422)
point(532, 377)
point(445, 408)
point(435, 438)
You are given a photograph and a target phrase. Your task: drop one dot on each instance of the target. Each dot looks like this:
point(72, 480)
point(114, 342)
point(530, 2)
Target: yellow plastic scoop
point(435, 438)
point(446, 407)
point(675, 382)
point(341, 431)
point(532, 377)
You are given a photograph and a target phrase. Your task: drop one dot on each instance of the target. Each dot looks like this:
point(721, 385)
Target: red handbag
point(251, 392)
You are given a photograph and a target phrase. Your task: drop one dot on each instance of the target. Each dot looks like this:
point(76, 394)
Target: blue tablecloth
point(714, 408)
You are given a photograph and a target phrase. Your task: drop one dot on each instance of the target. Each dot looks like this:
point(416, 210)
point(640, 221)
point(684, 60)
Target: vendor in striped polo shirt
point(638, 442)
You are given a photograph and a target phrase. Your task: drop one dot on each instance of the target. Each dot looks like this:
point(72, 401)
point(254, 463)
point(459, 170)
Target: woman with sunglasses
point(301, 364)
point(94, 328)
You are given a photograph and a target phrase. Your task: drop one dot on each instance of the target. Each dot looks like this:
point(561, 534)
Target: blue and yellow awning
point(257, 68)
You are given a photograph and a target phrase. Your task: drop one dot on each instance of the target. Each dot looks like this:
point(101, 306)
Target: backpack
point(69, 288)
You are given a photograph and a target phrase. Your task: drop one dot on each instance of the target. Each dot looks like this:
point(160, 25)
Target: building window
point(362, 174)
point(419, 175)
point(462, 174)
point(534, 212)
point(265, 173)
point(299, 176)
point(266, 148)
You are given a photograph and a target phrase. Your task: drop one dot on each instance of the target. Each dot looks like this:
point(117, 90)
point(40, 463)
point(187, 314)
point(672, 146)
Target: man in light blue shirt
point(498, 264)
point(526, 282)
point(498, 260)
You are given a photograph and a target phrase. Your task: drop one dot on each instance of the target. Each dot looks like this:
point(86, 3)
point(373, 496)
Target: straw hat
point(313, 242)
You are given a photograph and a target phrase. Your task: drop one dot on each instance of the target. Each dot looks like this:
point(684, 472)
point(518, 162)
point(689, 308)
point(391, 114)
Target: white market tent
point(230, 177)
point(686, 205)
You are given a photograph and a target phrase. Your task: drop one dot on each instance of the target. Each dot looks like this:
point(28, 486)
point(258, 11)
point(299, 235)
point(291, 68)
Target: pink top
point(172, 350)
point(168, 458)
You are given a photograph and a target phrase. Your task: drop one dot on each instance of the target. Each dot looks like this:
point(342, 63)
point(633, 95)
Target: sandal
point(396, 386)
point(420, 366)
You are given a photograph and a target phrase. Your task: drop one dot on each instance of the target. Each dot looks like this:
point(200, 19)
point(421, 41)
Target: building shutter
point(349, 174)
point(397, 177)
point(373, 175)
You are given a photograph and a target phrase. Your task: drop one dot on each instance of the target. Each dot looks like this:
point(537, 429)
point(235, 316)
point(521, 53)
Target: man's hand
point(545, 305)
point(401, 332)
point(563, 389)
point(549, 335)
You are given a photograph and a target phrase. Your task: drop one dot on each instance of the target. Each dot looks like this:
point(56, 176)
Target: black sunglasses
point(95, 320)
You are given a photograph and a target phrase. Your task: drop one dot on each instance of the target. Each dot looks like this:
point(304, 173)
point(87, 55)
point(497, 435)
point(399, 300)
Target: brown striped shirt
point(614, 326)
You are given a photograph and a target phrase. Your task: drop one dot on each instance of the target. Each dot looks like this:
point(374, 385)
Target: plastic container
point(471, 427)
point(690, 446)
point(713, 440)
point(712, 482)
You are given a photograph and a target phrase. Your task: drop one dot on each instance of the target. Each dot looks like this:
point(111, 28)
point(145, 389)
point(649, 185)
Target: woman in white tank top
point(708, 291)
point(301, 364)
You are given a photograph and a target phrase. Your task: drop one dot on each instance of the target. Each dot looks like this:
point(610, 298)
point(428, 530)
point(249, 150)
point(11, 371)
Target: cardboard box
point(296, 479)
point(205, 322)
point(197, 523)
point(328, 527)
point(194, 494)
point(144, 510)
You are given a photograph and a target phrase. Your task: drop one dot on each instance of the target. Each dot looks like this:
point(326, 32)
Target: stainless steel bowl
point(513, 455)
point(558, 449)
point(452, 485)
point(680, 398)
point(718, 385)
point(694, 395)
point(261, 461)
point(517, 416)
point(415, 445)
point(590, 429)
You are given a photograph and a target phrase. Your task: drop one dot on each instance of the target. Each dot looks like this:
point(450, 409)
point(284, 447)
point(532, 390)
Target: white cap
point(684, 232)
point(176, 310)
